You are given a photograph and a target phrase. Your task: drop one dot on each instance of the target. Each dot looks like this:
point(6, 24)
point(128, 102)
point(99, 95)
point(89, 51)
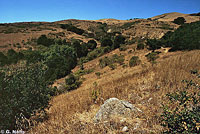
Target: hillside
point(20, 35)
point(58, 74)
point(171, 16)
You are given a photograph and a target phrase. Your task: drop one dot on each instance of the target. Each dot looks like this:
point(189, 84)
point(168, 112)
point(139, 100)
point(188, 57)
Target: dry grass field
point(144, 86)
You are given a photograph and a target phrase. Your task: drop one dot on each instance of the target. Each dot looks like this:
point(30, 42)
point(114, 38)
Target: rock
point(125, 129)
point(113, 107)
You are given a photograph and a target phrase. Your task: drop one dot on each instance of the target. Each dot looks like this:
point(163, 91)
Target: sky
point(55, 10)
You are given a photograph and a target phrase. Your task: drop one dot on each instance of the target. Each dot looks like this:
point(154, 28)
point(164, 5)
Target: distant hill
point(171, 16)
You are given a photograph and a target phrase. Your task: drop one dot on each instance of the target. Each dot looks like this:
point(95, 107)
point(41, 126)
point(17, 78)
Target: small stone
point(125, 129)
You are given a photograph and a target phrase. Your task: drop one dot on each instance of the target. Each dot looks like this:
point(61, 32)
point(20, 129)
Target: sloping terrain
point(21, 35)
point(144, 85)
point(171, 16)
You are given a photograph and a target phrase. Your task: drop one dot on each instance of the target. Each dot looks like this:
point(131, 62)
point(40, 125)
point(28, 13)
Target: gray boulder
point(115, 107)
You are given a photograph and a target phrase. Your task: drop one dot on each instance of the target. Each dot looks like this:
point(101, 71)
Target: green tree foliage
point(181, 113)
point(134, 61)
point(110, 61)
point(153, 44)
point(72, 28)
point(13, 56)
point(179, 20)
point(60, 59)
point(72, 82)
point(140, 46)
point(186, 37)
point(152, 56)
point(106, 42)
point(45, 41)
point(32, 56)
point(92, 44)
point(23, 91)
point(118, 40)
point(3, 59)
point(98, 52)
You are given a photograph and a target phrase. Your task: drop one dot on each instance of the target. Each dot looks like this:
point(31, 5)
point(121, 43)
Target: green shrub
point(103, 62)
point(72, 82)
point(23, 91)
point(184, 116)
point(112, 66)
point(123, 47)
point(186, 37)
point(60, 60)
point(92, 44)
point(72, 28)
point(117, 41)
point(179, 20)
point(109, 61)
point(43, 40)
point(98, 74)
point(152, 56)
point(98, 52)
point(3, 59)
point(140, 46)
point(153, 44)
point(134, 61)
point(106, 42)
point(32, 56)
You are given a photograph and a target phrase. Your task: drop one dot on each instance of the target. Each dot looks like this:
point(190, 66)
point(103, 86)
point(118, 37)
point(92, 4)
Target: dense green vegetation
point(134, 61)
point(184, 117)
point(60, 59)
point(72, 28)
point(179, 20)
point(110, 61)
point(186, 37)
point(23, 92)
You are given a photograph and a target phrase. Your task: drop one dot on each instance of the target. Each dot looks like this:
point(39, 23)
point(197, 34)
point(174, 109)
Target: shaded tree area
point(186, 37)
point(72, 28)
point(179, 20)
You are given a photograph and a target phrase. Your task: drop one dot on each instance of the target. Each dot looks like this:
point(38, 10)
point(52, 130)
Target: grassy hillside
point(80, 64)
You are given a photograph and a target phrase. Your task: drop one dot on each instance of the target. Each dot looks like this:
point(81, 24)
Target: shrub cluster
point(134, 61)
point(72, 82)
point(23, 92)
point(109, 61)
point(12, 57)
point(186, 37)
point(182, 112)
point(152, 56)
point(72, 28)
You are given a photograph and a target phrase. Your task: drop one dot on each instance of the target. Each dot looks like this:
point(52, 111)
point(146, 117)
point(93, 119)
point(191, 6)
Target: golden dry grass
point(143, 86)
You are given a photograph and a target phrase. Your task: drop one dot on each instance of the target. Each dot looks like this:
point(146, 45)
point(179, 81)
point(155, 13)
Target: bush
point(179, 20)
point(117, 41)
point(72, 28)
point(22, 92)
point(32, 56)
point(182, 113)
point(91, 44)
point(134, 61)
point(153, 44)
point(109, 61)
point(106, 42)
point(140, 46)
point(43, 40)
point(72, 82)
point(123, 47)
point(186, 37)
point(97, 52)
point(152, 56)
point(3, 59)
point(60, 60)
